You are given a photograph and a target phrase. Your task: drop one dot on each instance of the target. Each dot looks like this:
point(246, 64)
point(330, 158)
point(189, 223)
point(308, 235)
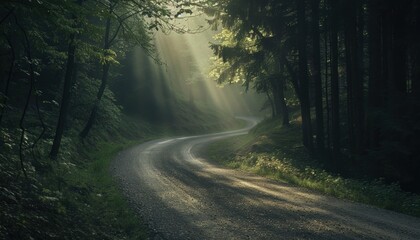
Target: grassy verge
point(94, 194)
point(74, 199)
point(276, 152)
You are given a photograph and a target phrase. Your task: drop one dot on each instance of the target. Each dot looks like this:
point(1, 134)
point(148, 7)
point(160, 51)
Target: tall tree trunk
point(399, 53)
point(104, 81)
point(327, 92)
point(278, 87)
point(285, 115)
point(276, 96)
point(303, 76)
point(335, 96)
point(355, 95)
point(359, 88)
point(415, 86)
point(293, 78)
point(283, 104)
point(94, 112)
point(375, 93)
point(320, 137)
point(387, 59)
point(65, 100)
point(270, 100)
point(354, 91)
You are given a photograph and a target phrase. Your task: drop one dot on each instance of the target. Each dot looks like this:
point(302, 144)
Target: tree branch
point(7, 15)
point(28, 97)
point(121, 21)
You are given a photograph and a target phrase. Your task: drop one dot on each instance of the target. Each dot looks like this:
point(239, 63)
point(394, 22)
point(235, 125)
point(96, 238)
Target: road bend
point(181, 195)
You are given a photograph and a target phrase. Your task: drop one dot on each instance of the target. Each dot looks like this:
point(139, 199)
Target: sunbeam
point(184, 72)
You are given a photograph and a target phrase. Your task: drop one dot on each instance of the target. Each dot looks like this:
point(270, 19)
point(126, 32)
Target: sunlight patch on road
point(167, 141)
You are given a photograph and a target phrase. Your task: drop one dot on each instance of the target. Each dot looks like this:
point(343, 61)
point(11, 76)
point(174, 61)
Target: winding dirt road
point(183, 196)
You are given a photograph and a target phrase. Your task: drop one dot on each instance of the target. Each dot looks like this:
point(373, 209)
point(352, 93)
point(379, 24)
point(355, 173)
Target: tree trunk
point(276, 97)
point(355, 94)
point(335, 97)
point(399, 52)
point(387, 59)
point(303, 76)
point(327, 92)
point(93, 113)
point(352, 76)
point(293, 78)
point(375, 94)
point(104, 81)
point(285, 115)
point(65, 100)
point(283, 104)
point(320, 137)
point(359, 87)
point(415, 88)
point(280, 106)
point(270, 100)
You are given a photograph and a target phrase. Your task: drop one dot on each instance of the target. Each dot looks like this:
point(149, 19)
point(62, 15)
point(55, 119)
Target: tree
point(68, 83)
point(106, 64)
point(122, 12)
point(335, 91)
point(319, 109)
point(303, 75)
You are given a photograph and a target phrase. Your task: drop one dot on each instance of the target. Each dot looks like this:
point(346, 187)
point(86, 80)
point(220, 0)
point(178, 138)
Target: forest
point(81, 80)
point(352, 66)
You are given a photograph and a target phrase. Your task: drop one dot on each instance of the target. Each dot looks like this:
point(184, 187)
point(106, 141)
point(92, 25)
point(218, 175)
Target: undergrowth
point(104, 204)
point(72, 198)
point(75, 197)
point(276, 152)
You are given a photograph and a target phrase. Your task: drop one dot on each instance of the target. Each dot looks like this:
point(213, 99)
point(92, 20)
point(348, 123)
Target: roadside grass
point(93, 192)
point(276, 152)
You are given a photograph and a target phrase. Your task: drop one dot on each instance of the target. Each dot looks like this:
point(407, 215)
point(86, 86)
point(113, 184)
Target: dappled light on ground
point(184, 196)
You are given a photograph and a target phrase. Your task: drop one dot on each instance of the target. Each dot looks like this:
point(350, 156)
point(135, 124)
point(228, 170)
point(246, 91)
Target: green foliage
point(74, 198)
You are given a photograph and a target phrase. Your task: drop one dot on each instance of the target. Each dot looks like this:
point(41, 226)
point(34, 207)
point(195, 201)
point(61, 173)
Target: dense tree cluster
point(353, 66)
point(56, 60)
point(50, 47)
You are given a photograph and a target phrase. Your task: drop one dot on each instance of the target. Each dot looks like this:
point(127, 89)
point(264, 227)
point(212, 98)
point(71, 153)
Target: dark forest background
point(352, 65)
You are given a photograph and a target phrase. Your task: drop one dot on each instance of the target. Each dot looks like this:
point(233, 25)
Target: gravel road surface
point(181, 195)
